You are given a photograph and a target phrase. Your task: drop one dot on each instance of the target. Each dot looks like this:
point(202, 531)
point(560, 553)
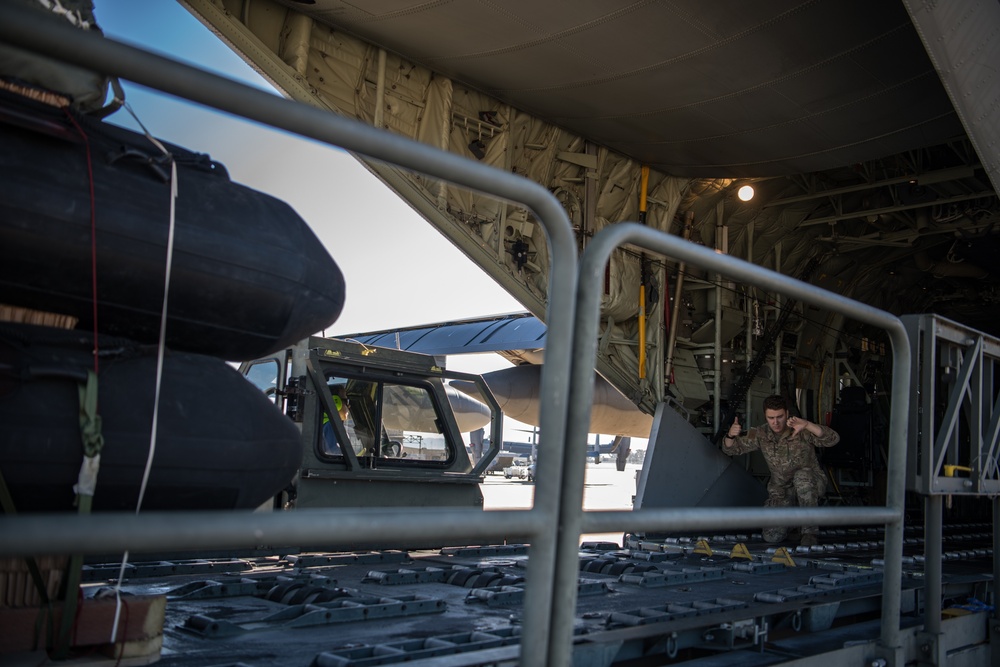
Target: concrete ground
point(604, 488)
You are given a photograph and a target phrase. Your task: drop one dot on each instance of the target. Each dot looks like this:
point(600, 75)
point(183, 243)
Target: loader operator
point(342, 406)
point(789, 448)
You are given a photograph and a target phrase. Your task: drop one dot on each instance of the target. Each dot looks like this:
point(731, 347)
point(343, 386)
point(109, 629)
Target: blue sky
point(399, 270)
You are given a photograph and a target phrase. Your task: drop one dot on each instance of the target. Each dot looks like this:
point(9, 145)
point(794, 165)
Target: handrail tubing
point(110, 532)
point(586, 330)
point(32, 32)
point(724, 518)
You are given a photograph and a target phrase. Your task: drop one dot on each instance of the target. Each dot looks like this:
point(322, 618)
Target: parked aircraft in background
point(519, 338)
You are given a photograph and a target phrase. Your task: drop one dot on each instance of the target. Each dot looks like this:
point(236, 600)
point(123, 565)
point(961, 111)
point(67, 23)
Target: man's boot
point(774, 535)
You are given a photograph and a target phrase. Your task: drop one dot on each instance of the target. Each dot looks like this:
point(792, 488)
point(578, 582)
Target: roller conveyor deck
point(701, 598)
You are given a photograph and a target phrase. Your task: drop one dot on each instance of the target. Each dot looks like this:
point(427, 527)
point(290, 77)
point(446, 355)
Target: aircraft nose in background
point(470, 413)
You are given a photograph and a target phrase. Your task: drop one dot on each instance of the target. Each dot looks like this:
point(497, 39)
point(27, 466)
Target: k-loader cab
point(380, 427)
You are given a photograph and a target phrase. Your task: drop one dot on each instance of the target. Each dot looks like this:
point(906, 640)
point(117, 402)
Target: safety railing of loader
point(574, 521)
point(954, 430)
point(955, 412)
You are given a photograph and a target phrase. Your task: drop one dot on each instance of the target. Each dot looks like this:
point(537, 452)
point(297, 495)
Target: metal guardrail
point(574, 521)
point(954, 418)
point(556, 521)
point(955, 410)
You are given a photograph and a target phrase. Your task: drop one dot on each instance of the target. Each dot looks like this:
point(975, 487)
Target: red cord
point(124, 620)
point(93, 226)
point(76, 617)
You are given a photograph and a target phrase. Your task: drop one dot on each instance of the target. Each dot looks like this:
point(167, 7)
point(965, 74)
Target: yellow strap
point(93, 442)
point(90, 421)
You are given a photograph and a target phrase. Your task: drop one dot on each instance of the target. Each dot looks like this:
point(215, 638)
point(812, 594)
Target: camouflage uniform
point(795, 470)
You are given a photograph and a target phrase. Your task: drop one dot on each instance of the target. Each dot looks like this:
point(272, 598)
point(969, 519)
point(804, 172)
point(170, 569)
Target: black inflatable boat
point(221, 444)
point(248, 276)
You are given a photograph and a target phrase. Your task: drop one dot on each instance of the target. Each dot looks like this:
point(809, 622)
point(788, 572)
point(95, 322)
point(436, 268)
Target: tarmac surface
point(605, 488)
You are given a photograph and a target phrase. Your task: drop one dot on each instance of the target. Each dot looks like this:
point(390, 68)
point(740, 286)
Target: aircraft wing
point(500, 333)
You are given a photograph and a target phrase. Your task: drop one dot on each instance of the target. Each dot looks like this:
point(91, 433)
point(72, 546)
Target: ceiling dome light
point(745, 193)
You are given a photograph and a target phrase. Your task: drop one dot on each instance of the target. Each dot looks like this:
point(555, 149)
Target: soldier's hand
point(735, 429)
point(797, 423)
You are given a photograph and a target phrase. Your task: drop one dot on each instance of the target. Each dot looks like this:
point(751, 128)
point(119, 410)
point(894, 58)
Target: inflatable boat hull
point(221, 444)
point(248, 276)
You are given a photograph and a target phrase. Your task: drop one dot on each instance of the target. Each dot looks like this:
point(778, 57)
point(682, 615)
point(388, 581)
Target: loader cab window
point(393, 423)
point(264, 375)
